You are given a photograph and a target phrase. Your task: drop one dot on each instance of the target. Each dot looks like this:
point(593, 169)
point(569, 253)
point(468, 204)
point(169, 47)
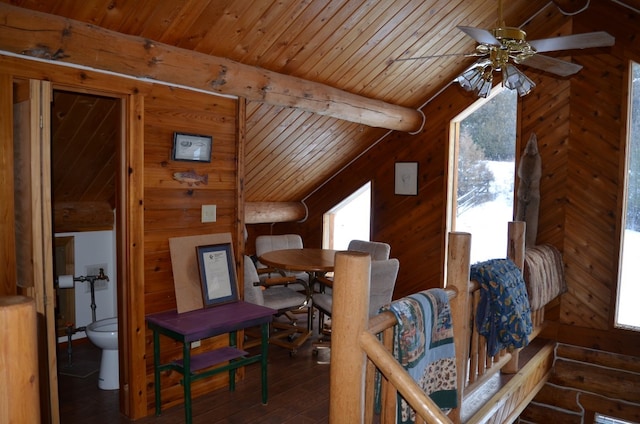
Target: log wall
point(585, 382)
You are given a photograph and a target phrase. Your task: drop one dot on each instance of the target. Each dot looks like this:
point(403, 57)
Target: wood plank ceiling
point(346, 44)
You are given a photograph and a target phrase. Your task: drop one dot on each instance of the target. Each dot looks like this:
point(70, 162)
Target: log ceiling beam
point(59, 39)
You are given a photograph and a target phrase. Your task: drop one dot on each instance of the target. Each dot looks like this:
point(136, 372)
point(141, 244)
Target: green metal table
point(201, 324)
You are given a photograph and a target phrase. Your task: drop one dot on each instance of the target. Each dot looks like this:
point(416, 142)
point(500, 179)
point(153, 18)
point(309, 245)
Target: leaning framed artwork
point(406, 178)
point(217, 276)
point(191, 147)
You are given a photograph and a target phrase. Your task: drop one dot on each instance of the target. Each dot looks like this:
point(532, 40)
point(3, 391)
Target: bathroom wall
point(94, 248)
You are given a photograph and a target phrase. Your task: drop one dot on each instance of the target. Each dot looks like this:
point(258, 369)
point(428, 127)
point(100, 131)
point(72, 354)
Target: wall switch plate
point(208, 213)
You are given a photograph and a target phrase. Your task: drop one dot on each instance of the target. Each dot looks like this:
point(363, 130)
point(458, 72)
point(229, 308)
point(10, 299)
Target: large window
point(627, 312)
point(349, 220)
point(482, 173)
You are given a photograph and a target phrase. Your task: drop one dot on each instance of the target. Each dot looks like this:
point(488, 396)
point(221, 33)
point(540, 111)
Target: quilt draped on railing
point(424, 346)
point(504, 314)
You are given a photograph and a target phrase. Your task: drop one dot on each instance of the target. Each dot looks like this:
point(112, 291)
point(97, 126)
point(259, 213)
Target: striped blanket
point(543, 275)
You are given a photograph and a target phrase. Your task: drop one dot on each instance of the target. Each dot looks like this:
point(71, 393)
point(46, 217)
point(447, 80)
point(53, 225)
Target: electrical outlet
point(208, 213)
point(195, 344)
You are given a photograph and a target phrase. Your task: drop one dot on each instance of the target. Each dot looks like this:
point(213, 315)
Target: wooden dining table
point(315, 262)
point(310, 260)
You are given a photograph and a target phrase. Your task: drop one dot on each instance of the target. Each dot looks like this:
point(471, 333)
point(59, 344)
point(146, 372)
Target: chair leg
point(284, 334)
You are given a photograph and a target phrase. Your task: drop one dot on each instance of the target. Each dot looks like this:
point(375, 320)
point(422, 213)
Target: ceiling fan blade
point(551, 64)
point(482, 36)
point(576, 41)
point(436, 56)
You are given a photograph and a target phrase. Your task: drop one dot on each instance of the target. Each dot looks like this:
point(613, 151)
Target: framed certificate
point(217, 274)
point(192, 147)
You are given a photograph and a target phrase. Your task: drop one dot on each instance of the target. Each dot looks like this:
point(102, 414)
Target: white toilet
point(104, 334)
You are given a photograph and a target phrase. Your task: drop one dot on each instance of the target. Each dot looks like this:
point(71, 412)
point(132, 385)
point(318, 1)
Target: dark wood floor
point(298, 393)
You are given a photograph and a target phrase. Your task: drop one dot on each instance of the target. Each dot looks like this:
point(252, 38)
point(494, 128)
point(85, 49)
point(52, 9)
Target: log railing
point(361, 345)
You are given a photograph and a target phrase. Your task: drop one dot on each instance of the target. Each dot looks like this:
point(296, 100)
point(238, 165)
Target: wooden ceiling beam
point(59, 39)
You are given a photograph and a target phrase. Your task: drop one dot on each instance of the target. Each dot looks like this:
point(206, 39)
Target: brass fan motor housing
point(509, 33)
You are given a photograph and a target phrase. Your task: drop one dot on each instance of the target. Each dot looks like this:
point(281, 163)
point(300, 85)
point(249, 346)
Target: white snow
point(487, 224)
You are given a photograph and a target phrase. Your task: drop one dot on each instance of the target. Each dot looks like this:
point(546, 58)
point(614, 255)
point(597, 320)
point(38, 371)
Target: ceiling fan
point(501, 48)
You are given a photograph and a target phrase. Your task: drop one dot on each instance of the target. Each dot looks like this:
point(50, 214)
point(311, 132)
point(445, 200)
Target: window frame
point(453, 152)
point(625, 152)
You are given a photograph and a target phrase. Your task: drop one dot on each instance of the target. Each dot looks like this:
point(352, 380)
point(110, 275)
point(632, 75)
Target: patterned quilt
point(504, 315)
point(423, 345)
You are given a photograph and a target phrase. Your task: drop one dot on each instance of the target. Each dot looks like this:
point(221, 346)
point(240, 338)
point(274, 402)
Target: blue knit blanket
point(504, 315)
point(423, 345)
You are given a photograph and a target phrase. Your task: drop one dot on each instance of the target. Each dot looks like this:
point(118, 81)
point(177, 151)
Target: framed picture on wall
point(191, 147)
point(406, 178)
point(217, 275)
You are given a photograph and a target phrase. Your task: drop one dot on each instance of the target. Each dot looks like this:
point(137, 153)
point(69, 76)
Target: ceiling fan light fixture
point(486, 83)
point(514, 79)
point(476, 75)
point(470, 78)
point(526, 87)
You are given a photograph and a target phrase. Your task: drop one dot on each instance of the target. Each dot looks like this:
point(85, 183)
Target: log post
point(458, 263)
point(19, 393)
point(516, 239)
point(349, 319)
point(515, 251)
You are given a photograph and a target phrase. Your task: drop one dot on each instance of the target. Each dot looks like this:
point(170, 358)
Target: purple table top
point(209, 322)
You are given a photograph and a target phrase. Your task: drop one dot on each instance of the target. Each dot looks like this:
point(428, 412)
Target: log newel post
point(19, 392)
point(348, 360)
point(458, 263)
point(516, 234)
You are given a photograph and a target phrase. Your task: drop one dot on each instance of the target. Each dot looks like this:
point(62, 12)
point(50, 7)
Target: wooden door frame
point(129, 248)
point(130, 214)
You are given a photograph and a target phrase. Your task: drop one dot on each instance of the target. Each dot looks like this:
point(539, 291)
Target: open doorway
point(86, 132)
point(348, 220)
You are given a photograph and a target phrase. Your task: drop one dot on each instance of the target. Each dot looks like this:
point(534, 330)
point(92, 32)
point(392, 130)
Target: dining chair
point(284, 329)
point(379, 251)
point(376, 249)
point(383, 280)
point(268, 243)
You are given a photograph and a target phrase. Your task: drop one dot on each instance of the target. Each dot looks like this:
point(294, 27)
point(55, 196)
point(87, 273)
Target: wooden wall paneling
point(239, 211)
point(84, 150)
point(173, 209)
point(412, 225)
point(131, 272)
point(269, 162)
point(591, 218)
point(22, 190)
point(7, 210)
point(42, 253)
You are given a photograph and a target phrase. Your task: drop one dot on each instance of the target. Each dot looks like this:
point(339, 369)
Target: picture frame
point(217, 274)
point(191, 147)
point(406, 178)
